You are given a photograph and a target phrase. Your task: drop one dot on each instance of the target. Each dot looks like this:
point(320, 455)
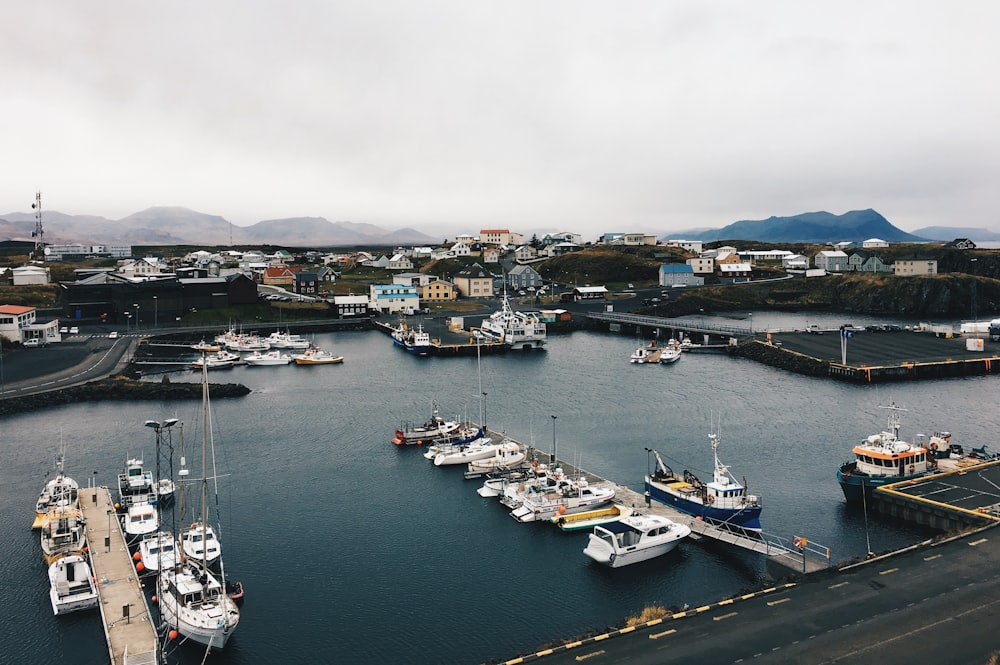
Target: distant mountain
point(162, 225)
point(949, 233)
point(810, 227)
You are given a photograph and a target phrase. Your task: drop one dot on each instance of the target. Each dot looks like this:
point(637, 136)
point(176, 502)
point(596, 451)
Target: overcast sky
point(461, 114)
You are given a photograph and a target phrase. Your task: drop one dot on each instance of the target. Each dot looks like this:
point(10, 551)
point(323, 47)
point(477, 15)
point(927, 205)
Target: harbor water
point(352, 550)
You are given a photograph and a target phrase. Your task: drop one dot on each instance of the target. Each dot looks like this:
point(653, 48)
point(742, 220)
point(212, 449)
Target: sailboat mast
point(204, 460)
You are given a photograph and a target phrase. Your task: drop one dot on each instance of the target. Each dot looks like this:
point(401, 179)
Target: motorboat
point(724, 502)
point(135, 484)
point(509, 454)
point(257, 359)
point(219, 360)
point(286, 340)
point(158, 550)
point(634, 539)
point(193, 601)
point(316, 356)
point(63, 534)
point(553, 495)
point(671, 353)
point(414, 340)
point(140, 520)
point(206, 347)
point(245, 343)
point(517, 330)
point(199, 541)
point(884, 458)
point(164, 490)
point(71, 586)
point(482, 448)
point(60, 491)
point(645, 355)
point(463, 437)
point(428, 432)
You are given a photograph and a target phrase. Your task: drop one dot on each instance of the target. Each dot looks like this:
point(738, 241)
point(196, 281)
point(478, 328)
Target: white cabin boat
point(316, 356)
point(509, 454)
point(258, 359)
point(194, 602)
point(634, 539)
point(71, 586)
point(199, 542)
point(557, 496)
point(286, 340)
point(671, 353)
point(518, 330)
point(218, 360)
point(483, 448)
point(158, 550)
point(63, 533)
point(59, 492)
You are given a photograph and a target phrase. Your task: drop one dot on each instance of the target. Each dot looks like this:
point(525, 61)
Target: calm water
point(354, 551)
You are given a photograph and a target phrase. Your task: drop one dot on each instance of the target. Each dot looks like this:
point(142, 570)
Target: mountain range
point(163, 225)
point(180, 226)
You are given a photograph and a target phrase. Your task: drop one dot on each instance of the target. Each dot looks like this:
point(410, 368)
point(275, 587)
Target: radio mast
point(37, 233)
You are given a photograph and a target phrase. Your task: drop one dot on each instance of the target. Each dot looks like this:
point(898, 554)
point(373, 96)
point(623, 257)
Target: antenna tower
point(37, 233)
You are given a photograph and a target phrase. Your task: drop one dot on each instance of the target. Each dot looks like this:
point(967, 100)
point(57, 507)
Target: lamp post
point(128, 321)
point(136, 305)
point(107, 541)
point(484, 413)
point(552, 458)
point(156, 313)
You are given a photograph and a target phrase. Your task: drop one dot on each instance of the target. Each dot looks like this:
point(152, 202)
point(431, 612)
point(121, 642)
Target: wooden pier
point(128, 626)
point(794, 554)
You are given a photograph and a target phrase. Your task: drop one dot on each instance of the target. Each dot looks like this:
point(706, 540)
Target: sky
point(461, 115)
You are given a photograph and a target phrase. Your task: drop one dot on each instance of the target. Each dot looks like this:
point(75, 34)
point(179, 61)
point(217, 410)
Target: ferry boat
point(724, 502)
point(882, 459)
point(517, 330)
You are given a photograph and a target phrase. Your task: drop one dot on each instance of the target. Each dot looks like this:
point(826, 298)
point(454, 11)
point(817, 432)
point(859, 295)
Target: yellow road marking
point(932, 557)
point(726, 602)
point(591, 655)
point(573, 644)
point(838, 585)
point(977, 542)
point(724, 616)
point(601, 637)
point(627, 629)
point(886, 572)
point(778, 602)
point(547, 652)
point(657, 636)
point(703, 608)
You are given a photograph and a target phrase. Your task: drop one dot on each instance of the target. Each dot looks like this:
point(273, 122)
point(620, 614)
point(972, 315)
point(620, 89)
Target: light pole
point(484, 413)
point(156, 313)
point(136, 305)
point(128, 321)
point(552, 458)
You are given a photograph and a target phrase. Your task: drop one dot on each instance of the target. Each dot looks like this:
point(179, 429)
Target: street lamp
point(552, 458)
point(136, 305)
point(156, 313)
point(128, 321)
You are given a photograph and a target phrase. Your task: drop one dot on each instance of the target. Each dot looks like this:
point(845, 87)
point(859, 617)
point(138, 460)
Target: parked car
point(64, 330)
point(113, 334)
point(74, 331)
point(34, 341)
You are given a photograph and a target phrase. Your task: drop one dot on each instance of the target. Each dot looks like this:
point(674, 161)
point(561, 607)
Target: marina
point(527, 402)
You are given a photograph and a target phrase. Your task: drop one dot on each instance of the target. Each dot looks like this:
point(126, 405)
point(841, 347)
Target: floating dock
point(128, 625)
point(966, 497)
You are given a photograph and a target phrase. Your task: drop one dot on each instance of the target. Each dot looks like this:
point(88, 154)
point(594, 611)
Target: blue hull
point(415, 350)
point(746, 518)
point(859, 488)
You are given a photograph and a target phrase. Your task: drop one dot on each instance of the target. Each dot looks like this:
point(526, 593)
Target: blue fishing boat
point(723, 502)
point(414, 340)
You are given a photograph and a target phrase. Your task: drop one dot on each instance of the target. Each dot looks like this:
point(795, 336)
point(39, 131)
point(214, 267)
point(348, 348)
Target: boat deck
point(128, 626)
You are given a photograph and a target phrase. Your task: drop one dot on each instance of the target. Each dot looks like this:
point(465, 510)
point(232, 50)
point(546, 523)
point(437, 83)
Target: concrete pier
point(128, 626)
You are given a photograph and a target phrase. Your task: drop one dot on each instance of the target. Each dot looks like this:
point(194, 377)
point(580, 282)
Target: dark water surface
point(354, 551)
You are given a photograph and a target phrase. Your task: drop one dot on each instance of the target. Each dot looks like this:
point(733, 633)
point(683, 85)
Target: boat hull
point(858, 488)
point(747, 517)
point(599, 551)
point(72, 587)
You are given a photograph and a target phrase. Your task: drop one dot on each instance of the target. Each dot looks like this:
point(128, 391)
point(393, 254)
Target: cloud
point(440, 115)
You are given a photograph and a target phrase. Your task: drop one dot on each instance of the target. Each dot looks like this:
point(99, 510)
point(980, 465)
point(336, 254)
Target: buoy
point(137, 556)
point(562, 510)
point(172, 634)
point(140, 566)
point(118, 506)
point(155, 600)
point(420, 442)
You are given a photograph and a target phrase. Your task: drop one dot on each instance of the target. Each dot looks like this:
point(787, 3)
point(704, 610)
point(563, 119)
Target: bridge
point(616, 321)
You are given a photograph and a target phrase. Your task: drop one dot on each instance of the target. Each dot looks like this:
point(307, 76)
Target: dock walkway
point(128, 626)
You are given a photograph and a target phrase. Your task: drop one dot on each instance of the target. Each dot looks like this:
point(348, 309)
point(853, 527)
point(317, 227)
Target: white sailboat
point(192, 600)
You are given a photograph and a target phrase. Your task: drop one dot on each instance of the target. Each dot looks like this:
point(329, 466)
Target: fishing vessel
point(258, 359)
point(63, 534)
point(60, 491)
point(517, 330)
point(723, 502)
point(634, 539)
point(884, 458)
point(71, 586)
point(428, 432)
point(193, 601)
point(219, 360)
point(414, 340)
point(316, 356)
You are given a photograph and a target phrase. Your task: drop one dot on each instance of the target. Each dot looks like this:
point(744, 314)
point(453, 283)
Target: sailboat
point(193, 601)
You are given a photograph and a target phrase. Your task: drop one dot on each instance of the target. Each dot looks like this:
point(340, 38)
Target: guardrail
point(679, 324)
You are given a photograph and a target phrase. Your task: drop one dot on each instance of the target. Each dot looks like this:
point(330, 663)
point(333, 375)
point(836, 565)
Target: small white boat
point(164, 490)
point(671, 353)
point(135, 484)
point(206, 347)
point(139, 521)
point(316, 356)
point(218, 360)
point(258, 359)
point(481, 449)
point(61, 491)
point(645, 354)
point(634, 539)
point(460, 439)
point(198, 542)
point(556, 495)
point(428, 432)
point(71, 586)
point(158, 551)
point(63, 534)
point(509, 454)
point(286, 340)
point(247, 343)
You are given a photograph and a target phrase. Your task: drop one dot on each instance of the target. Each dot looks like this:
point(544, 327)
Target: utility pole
point(37, 233)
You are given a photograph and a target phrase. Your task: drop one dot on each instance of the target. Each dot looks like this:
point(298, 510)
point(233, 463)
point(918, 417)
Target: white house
point(392, 298)
point(831, 260)
point(30, 274)
point(795, 262)
point(400, 262)
point(874, 242)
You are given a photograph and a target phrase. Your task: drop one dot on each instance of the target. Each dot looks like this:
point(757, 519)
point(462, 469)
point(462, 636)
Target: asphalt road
point(936, 604)
point(883, 348)
point(77, 359)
